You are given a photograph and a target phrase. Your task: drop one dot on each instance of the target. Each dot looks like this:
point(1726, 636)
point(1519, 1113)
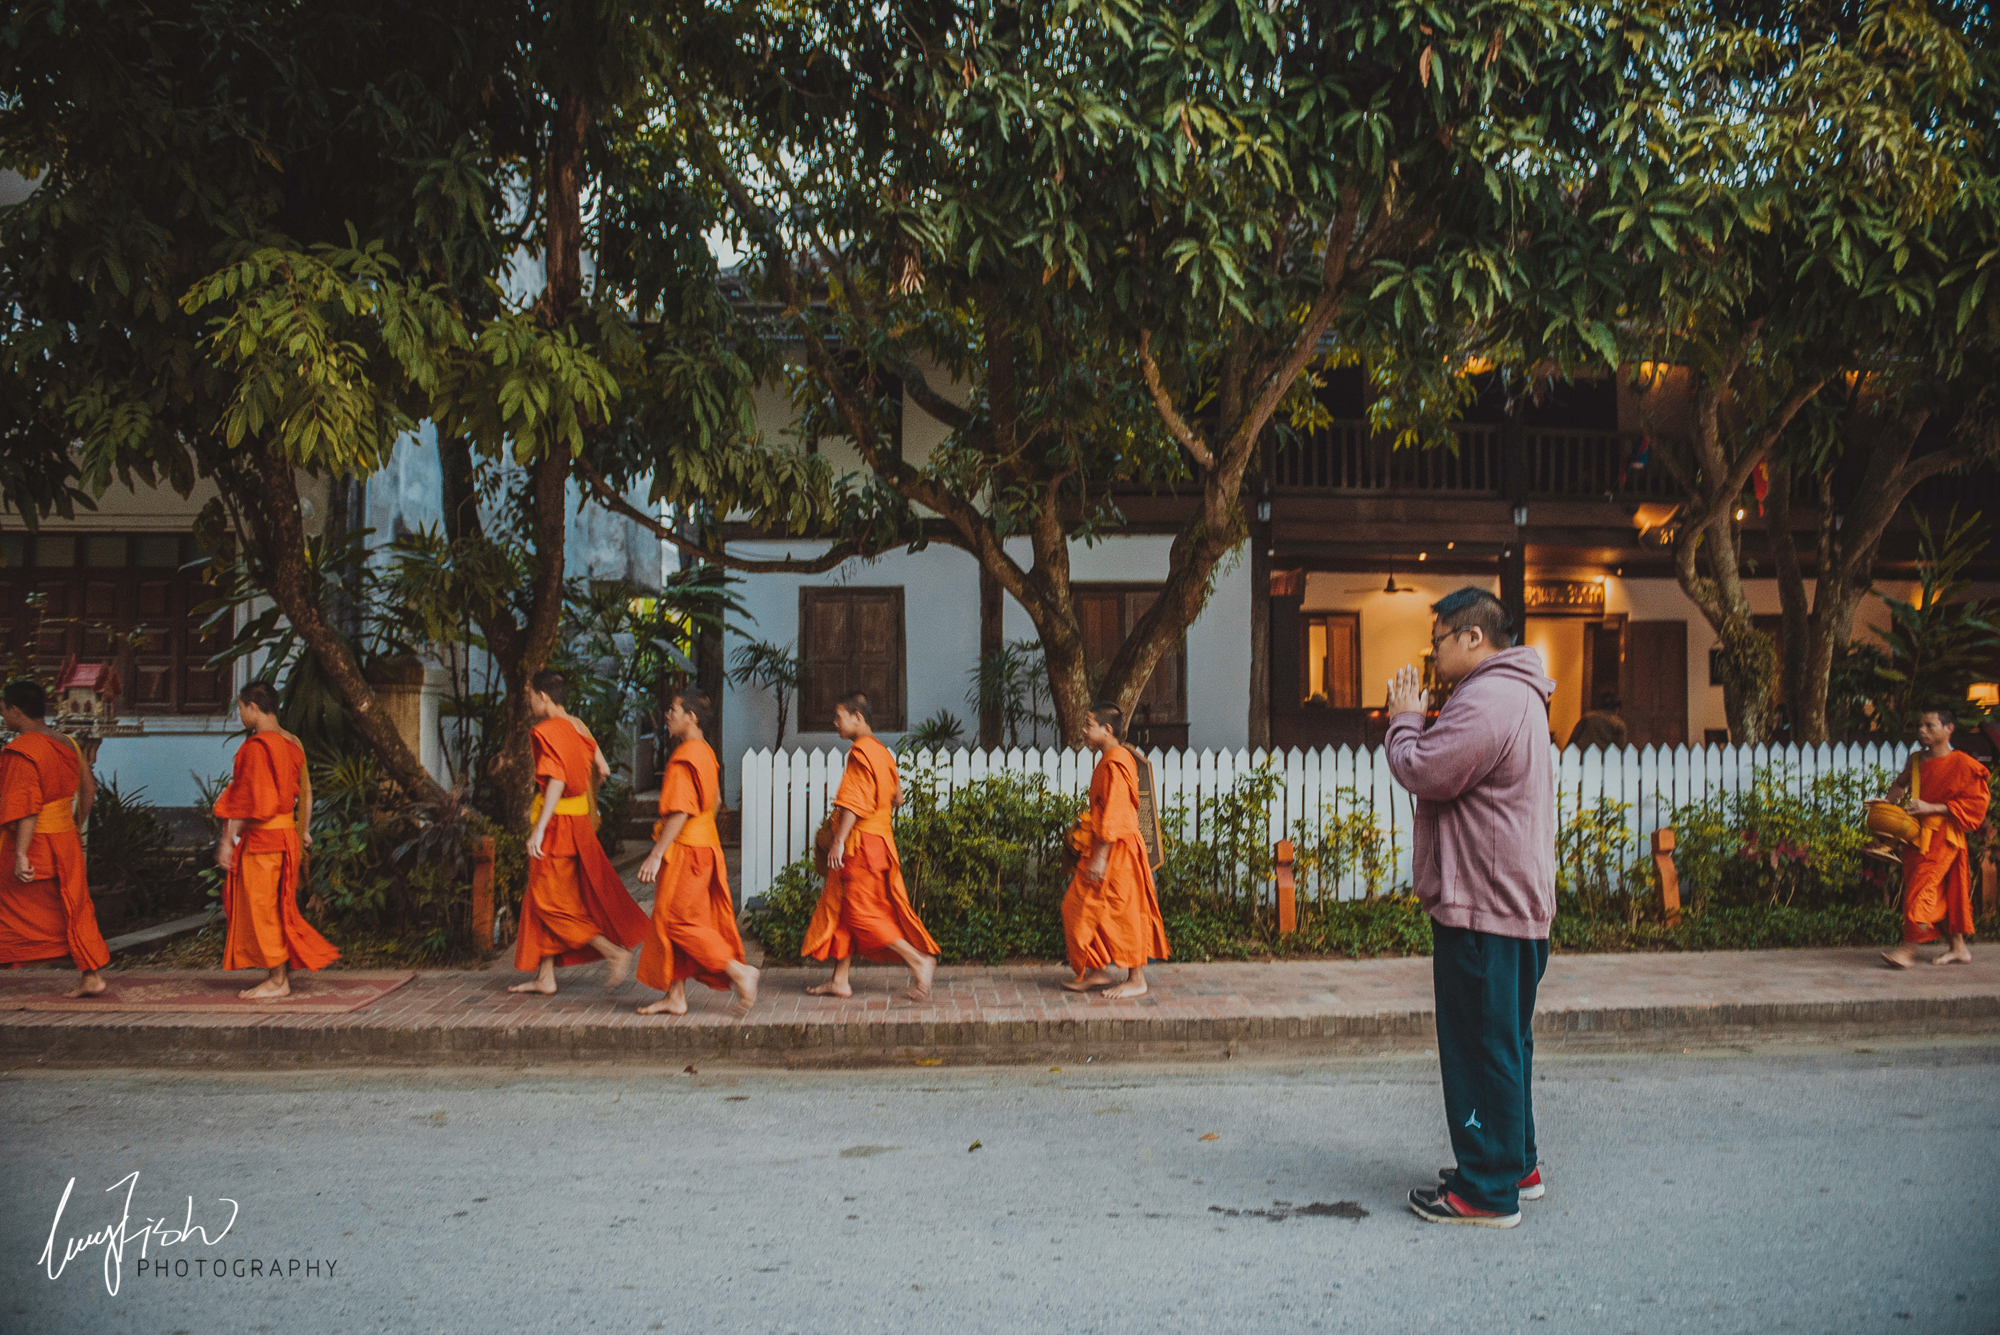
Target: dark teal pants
point(1485, 987)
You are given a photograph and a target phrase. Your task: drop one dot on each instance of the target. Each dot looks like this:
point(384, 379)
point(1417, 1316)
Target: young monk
point(575, 909)
point(693, 931)
point(259, 853)
point(1111, 916)
point(1937, 869)
point(45, 791)
point(865, 907)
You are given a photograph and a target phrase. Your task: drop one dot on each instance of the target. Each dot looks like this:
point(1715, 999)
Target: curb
point(982, 1042)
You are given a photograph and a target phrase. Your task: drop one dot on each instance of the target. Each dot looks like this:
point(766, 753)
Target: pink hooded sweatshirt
point(1484, 780)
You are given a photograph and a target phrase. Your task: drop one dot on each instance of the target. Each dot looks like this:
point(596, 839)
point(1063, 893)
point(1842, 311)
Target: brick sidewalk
point(1021, 1015)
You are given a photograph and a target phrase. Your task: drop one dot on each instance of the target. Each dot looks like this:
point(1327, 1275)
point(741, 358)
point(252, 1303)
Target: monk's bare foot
point(1902, 957)
point(1956, 955)
point(831, 988)
point(743, 982)
point(545, 986)
point(268, 990)
point(1083, 982)
point(621, 969)
point(1131, 987)
point(921, 974)
point(91, 985)
point(665, 1006)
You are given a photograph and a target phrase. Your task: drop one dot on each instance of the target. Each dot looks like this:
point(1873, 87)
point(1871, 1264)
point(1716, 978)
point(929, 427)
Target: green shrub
point(1772, 845)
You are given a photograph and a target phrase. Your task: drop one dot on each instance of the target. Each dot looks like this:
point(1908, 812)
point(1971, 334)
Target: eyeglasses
point(1436, 640)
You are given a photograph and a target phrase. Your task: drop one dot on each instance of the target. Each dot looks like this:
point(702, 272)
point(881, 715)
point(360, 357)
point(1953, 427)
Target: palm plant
point(1940, 644)
point(777, 668)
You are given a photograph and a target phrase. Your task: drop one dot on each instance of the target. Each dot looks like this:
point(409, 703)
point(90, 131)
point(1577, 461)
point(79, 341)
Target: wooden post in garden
point(1288, 900)
point(482, 892)
point(1670, 881)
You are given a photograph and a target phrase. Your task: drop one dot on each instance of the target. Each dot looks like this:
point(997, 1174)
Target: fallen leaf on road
point(1055, 1070)
point(690, 1071)
point(973, 1146)
point(1212, 1136)
point(930, 1061)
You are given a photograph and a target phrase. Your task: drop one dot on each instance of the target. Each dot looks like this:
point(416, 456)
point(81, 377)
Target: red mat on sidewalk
point(312, 994)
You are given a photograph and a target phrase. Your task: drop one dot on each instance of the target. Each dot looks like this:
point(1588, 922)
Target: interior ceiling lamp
point(1984, 693)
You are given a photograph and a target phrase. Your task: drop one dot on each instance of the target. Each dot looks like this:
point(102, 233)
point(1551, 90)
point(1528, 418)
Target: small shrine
point(86, 695)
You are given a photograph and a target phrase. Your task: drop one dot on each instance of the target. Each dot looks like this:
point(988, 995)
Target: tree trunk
point(283, 541)
point(1850, 535)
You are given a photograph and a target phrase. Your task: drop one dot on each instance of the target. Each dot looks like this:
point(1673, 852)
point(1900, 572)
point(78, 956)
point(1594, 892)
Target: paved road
point(1813, 1189)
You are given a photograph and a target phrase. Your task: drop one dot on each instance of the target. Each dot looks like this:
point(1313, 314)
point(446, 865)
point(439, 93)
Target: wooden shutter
point(825, 644)
point(851, 640)
point(877, 664)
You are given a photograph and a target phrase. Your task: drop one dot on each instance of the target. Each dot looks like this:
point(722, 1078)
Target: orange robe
point(693, 931)
point(1116, 921)
point(261, 893)
point(865, 907)
point(52, 915)
point(573, 895)
point(1937, 869)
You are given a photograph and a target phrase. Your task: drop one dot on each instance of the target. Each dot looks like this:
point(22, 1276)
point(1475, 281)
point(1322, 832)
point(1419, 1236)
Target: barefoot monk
point(865, 907)
point(259, 853)
point(1111, 917)
point(1937, 868)
point(575, 909)
point(45, 791)
point(693, 931)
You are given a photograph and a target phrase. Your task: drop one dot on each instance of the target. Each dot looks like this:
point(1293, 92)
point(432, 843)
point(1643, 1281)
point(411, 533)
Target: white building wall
point(941, 624)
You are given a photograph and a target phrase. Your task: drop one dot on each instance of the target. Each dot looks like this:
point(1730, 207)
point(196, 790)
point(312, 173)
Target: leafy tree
point(1129, 232)
point(1802, 221)
point(276, 239)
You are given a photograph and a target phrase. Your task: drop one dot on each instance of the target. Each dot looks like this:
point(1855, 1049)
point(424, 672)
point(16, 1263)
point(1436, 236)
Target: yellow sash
point(57, 817)
point(1945, 825)
point(696, 832)
point(565, 806)
point(284, 822)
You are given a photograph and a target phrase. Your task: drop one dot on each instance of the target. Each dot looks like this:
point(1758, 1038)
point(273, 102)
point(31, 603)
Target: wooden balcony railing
point(1345, 459)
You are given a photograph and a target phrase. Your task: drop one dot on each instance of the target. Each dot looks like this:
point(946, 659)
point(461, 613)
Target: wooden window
point(1107, 613)
point(851, 640)
point(1330, 659)
point(114, 597)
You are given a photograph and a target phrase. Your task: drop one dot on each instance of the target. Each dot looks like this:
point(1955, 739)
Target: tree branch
point(605, 495)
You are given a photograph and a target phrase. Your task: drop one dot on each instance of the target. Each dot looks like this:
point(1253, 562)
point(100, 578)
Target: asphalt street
point(1829, 1188)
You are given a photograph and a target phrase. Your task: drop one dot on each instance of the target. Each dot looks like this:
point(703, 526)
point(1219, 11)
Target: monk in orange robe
point(575, 909)
point(1937, 869)
point(693, 931)
point(1111, 917)
point(45, 791)
point(259, 853)
point(865, 907)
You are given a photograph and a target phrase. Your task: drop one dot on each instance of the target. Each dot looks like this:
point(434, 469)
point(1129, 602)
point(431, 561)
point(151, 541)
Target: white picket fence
point(786, 793)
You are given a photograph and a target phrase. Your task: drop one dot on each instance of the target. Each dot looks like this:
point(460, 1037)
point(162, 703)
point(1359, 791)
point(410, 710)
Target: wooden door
point(1656, 688)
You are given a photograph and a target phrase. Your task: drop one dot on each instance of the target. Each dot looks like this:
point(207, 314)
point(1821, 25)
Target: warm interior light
point(1739, 514)
point(1449, 545)
point(1985, 694)
point(1423, 556)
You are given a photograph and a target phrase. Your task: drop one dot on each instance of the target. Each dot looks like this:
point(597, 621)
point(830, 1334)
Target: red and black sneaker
point(1440, 1206)
point(1532, 1187)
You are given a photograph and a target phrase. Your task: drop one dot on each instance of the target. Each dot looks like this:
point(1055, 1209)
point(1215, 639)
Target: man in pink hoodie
point(1485, 870)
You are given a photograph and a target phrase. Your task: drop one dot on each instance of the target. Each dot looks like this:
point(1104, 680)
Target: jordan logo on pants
point(1472, 1122)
